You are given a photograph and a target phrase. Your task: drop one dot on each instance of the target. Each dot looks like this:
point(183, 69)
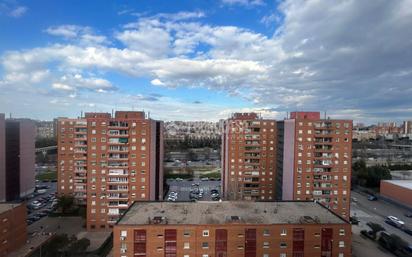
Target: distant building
point(109, 162)
point(248, 157)
point(13, 227)
point(17, 158)
point(363, 135)
point(315, 160)
point(179, 130)
point(407, 127)
point(231, 229)
point(397, 190)
point(45, 129)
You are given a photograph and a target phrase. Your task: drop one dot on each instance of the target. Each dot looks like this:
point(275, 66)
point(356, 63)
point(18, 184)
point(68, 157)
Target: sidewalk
point(33, 242)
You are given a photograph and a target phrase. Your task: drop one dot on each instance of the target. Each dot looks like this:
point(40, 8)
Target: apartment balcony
point(111, 182)
point(118, 197)
point(323, 140)
point(323, 125)
point(118, 125)
point(117, 189)
point(118, 172)
point(124, 165)
point(323, 148)
point(118, 149)
point(118, 141)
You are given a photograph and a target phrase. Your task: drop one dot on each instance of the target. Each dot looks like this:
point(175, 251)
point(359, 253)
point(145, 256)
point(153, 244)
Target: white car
point(392, 220)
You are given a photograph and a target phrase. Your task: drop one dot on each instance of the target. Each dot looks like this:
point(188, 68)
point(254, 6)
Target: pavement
point(183, 188)
point(33, 241)
point(96, 238)
point(376, 211)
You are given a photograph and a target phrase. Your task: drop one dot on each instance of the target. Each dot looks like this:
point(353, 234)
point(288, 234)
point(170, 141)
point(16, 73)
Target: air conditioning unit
point(122, 238)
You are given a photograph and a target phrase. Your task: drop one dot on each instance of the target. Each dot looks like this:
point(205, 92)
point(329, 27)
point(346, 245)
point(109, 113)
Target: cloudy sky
point(202, 60)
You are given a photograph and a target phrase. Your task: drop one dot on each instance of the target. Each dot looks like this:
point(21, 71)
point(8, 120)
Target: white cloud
point(157, 82)
point(84, 34)
point(18, 11)
point(338, 60)
point(64, 87)
point(243, 2)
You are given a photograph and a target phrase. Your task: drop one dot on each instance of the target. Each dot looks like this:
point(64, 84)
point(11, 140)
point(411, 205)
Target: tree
point(65, 203)
point(396, 243)
point(375, 228)
point(78, 247)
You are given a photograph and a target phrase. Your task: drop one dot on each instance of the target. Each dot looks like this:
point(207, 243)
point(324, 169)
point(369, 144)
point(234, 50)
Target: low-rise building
point(231, 228)
point(13, 227)
point(399, 191)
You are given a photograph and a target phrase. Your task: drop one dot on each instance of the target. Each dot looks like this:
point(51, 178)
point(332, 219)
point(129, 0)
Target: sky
point(203, 60)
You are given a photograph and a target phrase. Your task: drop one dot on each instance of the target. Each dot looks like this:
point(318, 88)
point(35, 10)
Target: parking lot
point(41, 202)
point(376, 211)
point(184, 187)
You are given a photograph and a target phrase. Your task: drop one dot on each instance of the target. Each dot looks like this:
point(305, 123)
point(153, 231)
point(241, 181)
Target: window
point(205, 245)
point(265, 244)
point(283, 232)
point(205, 232)
point(282, 255)
point(283, 245)
point(341, 232)
point(186, 245)
point(205, 255)
point(341, 244)
point(341, 255)
point(186, 233)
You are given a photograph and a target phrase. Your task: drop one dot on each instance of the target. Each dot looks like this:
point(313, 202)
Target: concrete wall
point(397, 193)
point(27, 157)
point(288, 160)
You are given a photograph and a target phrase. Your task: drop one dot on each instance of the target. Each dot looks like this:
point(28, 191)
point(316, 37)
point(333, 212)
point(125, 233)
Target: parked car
point(354, 199)
point(354, 220)
point(372, 198)
point(407, 230)
point(409, 214)
point(204, 179)
point(394, 221)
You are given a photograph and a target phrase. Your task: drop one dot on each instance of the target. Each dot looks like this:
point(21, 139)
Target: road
point(376, 211)
point(183, 188)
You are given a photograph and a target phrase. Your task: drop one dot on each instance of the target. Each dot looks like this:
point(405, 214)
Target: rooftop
point(402, 183)
point(204, 212)
point(7, 206)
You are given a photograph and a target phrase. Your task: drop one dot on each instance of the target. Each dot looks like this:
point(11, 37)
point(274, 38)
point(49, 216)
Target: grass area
point(47, 175)
point(184, 176)
point(210, 175)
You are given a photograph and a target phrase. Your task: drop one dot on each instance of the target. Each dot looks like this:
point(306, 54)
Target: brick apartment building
point(17, 158)
point(248, 157)
point(109, 162)
point(231, 229)
point(314, 160)
point(13, 227)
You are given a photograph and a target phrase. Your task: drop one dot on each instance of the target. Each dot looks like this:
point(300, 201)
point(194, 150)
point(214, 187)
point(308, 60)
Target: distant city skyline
point(203, 60)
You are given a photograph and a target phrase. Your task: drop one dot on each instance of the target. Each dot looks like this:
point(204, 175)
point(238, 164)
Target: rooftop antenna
point(81, 114)
point(148, 115)
point(325, 115)
point(112, 112)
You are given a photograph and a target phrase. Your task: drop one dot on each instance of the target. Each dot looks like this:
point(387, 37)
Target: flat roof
point(402, 183)
point(212, 212)
point(8, 206)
